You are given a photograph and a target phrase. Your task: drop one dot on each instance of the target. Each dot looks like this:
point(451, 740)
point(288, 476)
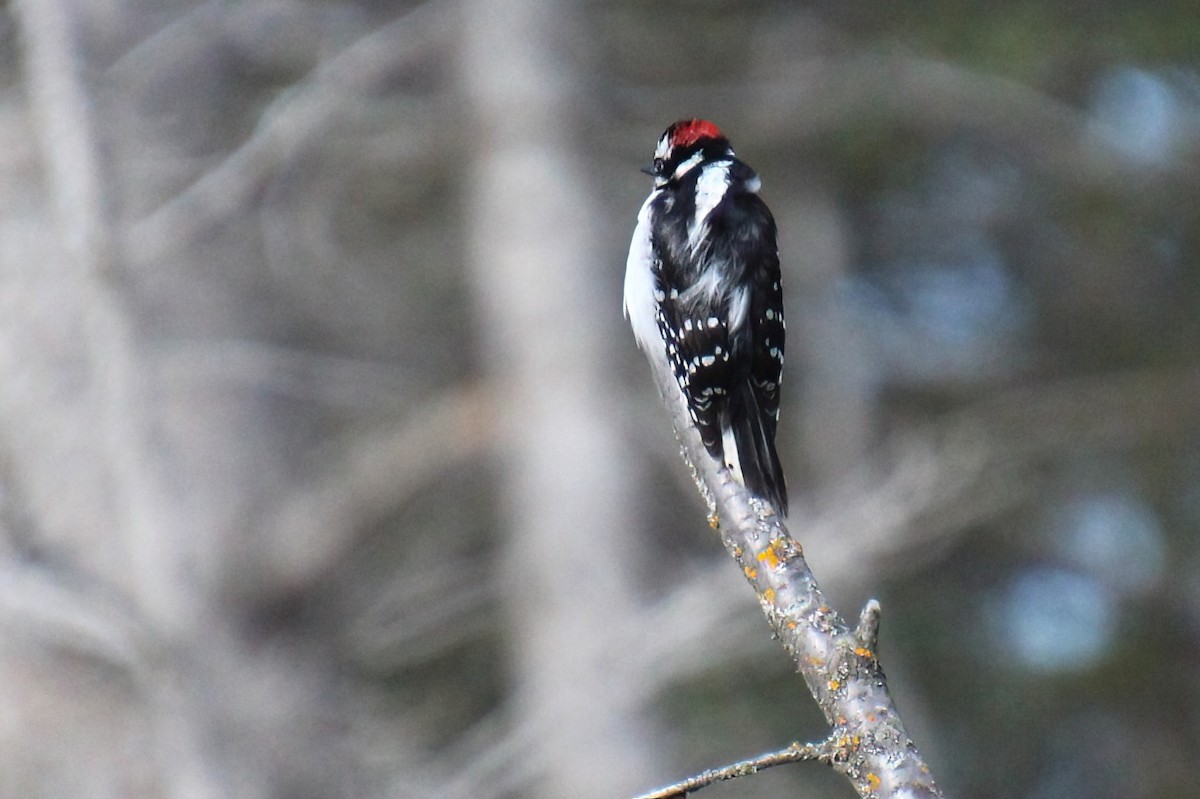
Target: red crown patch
point(689, 131)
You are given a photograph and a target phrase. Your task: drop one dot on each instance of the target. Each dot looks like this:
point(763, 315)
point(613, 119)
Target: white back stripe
point(711, 187)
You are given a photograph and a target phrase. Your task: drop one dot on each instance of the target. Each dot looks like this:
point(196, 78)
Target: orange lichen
point(849, 742)
point(751, 573)
point(873, 780)
point(714, 521)
point(863, 652)
point(769, 595)
point(834, 685)
point(769, 557)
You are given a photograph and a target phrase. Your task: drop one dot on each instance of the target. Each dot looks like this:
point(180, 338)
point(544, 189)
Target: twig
point(792, 754)
point(868, 742)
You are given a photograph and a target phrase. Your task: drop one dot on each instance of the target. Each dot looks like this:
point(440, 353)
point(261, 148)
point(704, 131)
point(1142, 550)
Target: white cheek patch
point(688, 165)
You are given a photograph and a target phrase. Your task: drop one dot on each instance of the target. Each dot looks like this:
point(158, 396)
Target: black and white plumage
point(702, 293)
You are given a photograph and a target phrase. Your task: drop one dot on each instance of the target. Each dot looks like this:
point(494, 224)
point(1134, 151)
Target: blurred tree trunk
point(537, 270)
point(128, 671)
point(79, 424)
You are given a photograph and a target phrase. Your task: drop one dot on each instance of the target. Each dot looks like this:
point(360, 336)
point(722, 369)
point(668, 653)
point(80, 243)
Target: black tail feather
point(756, 448)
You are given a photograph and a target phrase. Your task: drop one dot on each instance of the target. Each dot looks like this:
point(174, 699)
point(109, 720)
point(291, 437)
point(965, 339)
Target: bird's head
point(684, 146)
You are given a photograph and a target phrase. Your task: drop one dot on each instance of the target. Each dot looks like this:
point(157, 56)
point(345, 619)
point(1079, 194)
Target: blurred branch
point(925, 486)
point(1104, 410)
point(296, 116)
point(426, 611)
point(690, 629)
point(966, 466)
point(376, 473)
point(821, 96)
point(869, 743)
point(294, 373)
point(497, 757)
point(58, 614)
point(69, 147)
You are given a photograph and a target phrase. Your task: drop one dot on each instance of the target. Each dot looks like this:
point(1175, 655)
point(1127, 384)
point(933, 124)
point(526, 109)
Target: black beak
point(649, 170)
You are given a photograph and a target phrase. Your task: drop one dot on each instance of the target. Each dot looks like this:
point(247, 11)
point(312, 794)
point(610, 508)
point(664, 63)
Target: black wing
point(764, 474)
point(721, 316)
point(697, 341)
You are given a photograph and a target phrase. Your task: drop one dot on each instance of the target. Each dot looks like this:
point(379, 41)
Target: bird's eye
point(660, 166)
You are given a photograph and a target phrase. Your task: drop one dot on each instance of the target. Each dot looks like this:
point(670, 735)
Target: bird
point(703, 296)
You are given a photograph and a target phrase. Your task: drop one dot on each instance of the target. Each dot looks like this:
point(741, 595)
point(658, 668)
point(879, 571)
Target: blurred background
point(329, 468)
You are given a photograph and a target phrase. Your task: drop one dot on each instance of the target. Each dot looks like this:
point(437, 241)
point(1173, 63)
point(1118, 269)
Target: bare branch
point(840, 667)
point(743, 768)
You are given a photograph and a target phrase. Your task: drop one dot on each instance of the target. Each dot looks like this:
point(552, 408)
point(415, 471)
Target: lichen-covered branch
point(743, 768)
point(868, 742)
